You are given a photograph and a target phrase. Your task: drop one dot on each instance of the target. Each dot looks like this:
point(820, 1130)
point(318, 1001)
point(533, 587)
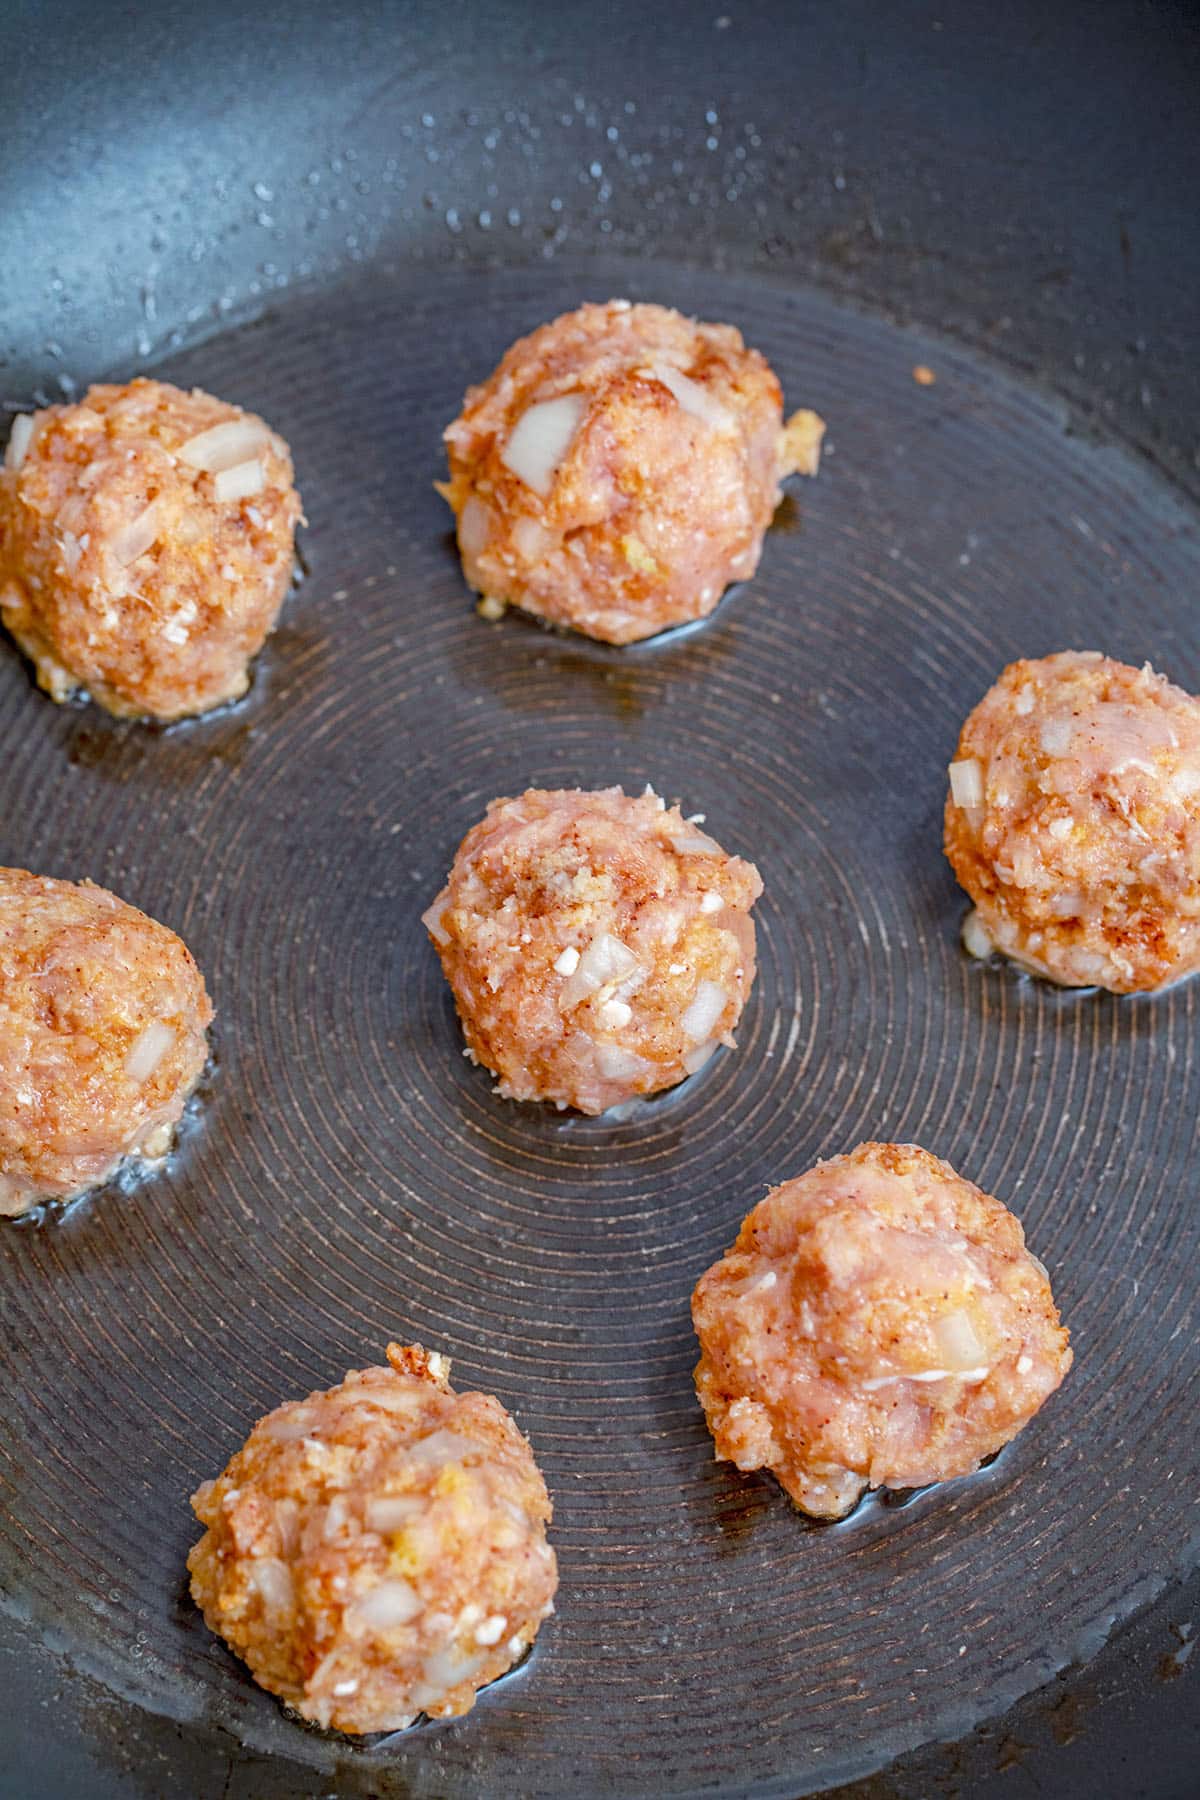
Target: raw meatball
point(146, 545)
point(1073, 821)
point(378, 1550)
point(619, 468)
point(103, 1015)
point(598, 947)
point(880, 1323)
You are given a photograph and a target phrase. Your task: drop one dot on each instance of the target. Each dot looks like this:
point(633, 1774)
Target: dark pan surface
point(350, 1177)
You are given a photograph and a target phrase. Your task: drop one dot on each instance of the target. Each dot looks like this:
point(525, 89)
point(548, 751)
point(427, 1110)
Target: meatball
point(378, 1550)
point(1073, 821)
point(146, 545)
point(878, 1323)
point(619, 468)
point(598, 946)
point(103, 1015)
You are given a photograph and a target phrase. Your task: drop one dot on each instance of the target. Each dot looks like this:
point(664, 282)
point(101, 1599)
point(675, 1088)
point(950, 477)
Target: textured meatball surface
point(1073, 821)
point(598, 946)
point(146, 546)
point(878, 1323)
point(103, 1016)
point(619, 469)
point(378, 1550)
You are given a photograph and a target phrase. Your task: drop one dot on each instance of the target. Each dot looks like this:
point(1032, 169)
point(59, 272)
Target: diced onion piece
point(273, 1579)
point(287, 1521)
point(541, 438)
point(695, 399)
point(148, 1049)
point(432, 918)
point(976, 941)
point(695, 1059)
point(710, 1002)
point(966, 783)
point(444, 1669)
point(444, 1447)
point(474, 527)
point(393, 1602)
point(392, 1512)
point(240, 482)
point(528, 537)
point(958, 1341)
point(136, 538)
point(492, 1630)
point(224, 446)
point(696, 843)
point(386, 1399)
point(616, 1014)
point(18, 441)
point(71, 548)
point(290, 1425)
point(567, 961)
point(1055, 736)
point(605, 959)
point(337, 1518)
point(616, 1064)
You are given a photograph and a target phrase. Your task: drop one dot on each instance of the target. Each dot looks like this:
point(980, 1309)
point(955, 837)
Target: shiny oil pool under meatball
point(359, 1180)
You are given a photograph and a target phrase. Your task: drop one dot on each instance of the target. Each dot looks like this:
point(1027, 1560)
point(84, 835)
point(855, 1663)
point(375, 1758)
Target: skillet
point(297, 209)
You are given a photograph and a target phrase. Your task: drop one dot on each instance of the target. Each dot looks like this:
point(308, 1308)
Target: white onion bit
point(976, 941)
point(605, 959)
point(710, 1002)
point(541, 438)
point(137, 537)
point(240, 482)
point(695, 1059)
point(273, 1579)
point(695, 399)
point(18, 441)
point(432, 917)
point(1055, 736)
point(223, 446)
point(959, 1342)
point(616, 1064)
point(392, 1603)
point(966, 783)
point(148, 1049)
point(443, 1446)
point(696, 843)
point(567, 961)
point(392, 1512)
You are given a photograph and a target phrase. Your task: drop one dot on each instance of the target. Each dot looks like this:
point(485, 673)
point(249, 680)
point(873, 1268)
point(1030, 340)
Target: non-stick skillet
point(340, 215)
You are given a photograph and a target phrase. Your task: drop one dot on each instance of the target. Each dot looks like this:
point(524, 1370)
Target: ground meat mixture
point(598, 946)
point(146, 545)
point(879, 1322)
point(619, 469)
point(1073, 821)
point(103, 1015)
point(379, 1550)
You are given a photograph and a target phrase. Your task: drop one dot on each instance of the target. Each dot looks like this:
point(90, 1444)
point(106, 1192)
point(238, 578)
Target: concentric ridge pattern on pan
point(353, 1177)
